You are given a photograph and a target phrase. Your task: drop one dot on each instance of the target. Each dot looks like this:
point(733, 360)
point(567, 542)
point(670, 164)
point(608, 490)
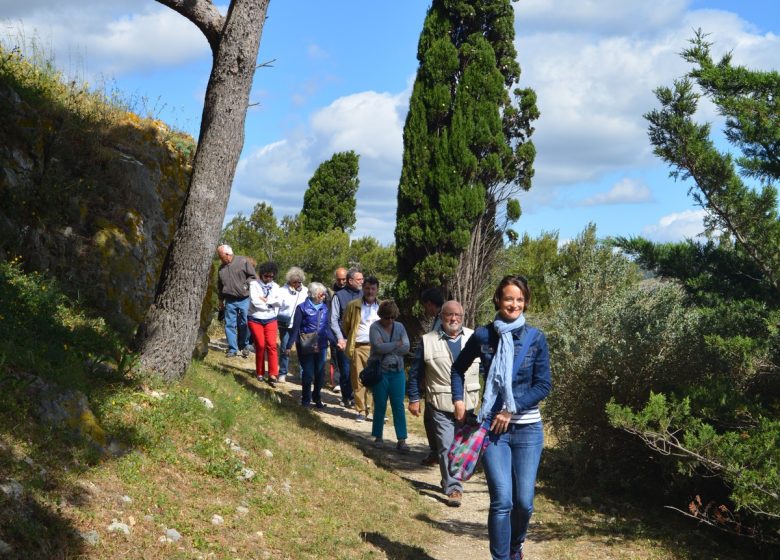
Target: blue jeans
point(392, 384)
point(510, 463)
point(312, 369)
point(344, 380)
point(284, 359)
point(236, 331)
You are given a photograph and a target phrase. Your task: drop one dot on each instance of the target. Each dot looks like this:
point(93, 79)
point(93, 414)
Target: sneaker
point(306, 405)
point(249, 348)
point(360, 418)
point(282, 379)
point(402, 447)
point(379, 443)
point(517, 555)
point(348, 404)
point(272, 381)
point(230, 354)
point(337, 389)
point(454, 498)
point(321, 405)
point(244, 353)
point(430, 460)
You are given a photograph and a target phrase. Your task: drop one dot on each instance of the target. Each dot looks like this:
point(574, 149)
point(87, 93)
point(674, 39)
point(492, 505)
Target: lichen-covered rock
point(89, 194)
point(69, 410)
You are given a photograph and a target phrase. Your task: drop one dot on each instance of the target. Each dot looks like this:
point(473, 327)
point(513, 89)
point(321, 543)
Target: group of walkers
point(347, 319)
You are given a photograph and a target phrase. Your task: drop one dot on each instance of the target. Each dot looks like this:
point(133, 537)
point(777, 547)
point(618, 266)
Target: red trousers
point(264, 339)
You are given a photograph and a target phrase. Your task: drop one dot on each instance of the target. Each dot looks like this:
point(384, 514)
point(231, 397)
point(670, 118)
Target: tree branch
point(203, 14)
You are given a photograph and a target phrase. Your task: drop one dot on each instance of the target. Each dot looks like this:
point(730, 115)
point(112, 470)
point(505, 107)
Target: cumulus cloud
point(676, 227)
point(625, 191)
point(369, 123)
point(593, 87)
point(115, 37)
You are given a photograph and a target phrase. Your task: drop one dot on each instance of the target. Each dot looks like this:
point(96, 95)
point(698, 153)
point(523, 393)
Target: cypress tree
point(466, 150)
point(329, 202)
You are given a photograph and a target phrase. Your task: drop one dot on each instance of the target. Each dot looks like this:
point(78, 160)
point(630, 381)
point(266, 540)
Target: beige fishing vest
point(438, 361)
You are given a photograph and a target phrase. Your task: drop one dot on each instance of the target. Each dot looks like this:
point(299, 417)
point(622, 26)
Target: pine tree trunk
point(167, 336)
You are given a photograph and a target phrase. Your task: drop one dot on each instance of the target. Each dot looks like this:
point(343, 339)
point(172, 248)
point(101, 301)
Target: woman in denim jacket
point(514, 385)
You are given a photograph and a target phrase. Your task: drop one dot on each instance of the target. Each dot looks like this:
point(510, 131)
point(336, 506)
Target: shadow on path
point(395, 550)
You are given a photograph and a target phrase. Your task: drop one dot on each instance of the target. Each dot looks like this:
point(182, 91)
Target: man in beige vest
point(431, 370)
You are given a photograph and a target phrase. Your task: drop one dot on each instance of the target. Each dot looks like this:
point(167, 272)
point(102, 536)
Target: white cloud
point(602, 16)
point(316, 52)
point(625, 191)
point(369, 123)
point(115, 37)
point(594, 66)
point(676, 227)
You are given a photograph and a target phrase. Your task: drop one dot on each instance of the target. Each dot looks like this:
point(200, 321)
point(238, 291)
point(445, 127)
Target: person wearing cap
point(233, 278)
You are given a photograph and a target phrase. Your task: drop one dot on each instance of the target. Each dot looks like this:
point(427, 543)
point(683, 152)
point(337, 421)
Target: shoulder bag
point(309, 343)
point(372, 373)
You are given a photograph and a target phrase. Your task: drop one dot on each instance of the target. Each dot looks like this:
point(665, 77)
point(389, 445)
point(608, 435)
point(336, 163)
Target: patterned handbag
point(466, 449)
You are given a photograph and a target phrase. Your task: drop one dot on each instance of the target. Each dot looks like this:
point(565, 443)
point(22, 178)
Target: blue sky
point(343, 73)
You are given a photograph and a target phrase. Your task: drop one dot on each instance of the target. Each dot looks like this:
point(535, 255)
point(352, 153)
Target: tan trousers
point(360, 393)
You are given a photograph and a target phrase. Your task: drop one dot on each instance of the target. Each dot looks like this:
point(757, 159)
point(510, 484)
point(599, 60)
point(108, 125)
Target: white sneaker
point(282, 379)
point(336, 389)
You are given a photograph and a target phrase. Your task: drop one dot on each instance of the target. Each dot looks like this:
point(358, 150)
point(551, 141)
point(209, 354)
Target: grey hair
point(315, 289)
point(294, 273)
point(352, 271)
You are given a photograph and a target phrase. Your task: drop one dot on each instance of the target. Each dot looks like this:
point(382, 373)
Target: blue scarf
point(499, 378)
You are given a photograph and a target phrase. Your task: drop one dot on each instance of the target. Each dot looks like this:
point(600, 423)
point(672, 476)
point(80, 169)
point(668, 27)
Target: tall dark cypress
point(466, 150)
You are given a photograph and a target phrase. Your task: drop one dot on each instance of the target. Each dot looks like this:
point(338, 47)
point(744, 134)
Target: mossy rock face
point(91, 198)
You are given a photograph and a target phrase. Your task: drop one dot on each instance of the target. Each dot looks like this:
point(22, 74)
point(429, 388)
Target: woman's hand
point(460, 411)
point(500, 422)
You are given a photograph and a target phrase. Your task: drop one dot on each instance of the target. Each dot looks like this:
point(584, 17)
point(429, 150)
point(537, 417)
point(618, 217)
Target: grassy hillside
point(312, 495)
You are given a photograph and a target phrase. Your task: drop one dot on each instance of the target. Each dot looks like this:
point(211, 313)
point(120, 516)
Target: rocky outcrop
point(89, 194)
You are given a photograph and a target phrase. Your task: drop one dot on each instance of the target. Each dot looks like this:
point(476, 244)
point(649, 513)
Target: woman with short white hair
point(311, 333)
point(292, 294)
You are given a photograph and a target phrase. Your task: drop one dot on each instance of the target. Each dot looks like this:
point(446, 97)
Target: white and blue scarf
point(499, 378)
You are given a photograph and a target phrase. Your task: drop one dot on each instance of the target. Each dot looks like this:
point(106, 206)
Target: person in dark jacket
point(312, 316)
point(235, 274)
point(517, 362)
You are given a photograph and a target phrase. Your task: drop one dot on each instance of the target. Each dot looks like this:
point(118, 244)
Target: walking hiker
point(291, 295)
point(430, 371)
point(233, 278)
point(517, 361)
point(264, 305)
point(389, 344)
point(311, 321)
